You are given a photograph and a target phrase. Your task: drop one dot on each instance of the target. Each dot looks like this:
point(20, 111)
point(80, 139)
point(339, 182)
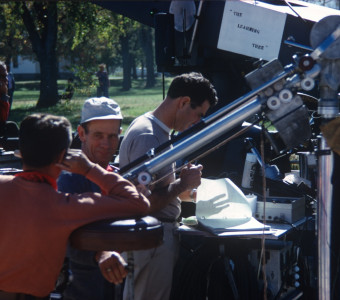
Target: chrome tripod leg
point(324, 219)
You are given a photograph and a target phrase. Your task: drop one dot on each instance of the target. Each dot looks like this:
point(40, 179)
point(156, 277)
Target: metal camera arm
point(225, 120)
point(276, 99)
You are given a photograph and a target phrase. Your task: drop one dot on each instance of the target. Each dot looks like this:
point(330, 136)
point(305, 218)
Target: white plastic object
point(307, 84)
point(144, 178)
point(249, 171)
point(285, 96)
point(273, 103)
point(252, 200)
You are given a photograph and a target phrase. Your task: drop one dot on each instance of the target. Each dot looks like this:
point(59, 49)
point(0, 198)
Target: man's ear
point(183, 101)
point(81, 132)
point(61, 155)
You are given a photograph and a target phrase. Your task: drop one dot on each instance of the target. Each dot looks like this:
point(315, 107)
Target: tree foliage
point(14, 39)
point(85, 39)
point(80, 32)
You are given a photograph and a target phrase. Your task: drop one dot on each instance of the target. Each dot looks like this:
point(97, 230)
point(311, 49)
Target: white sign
point(251, 30)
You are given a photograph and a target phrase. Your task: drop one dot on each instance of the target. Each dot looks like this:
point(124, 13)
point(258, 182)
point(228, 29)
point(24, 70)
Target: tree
point(125, 28)
point(40, 19)
point(88, 32)
point(87, 37)
point(128, 39)
point(127, 61)
point(80, 32)
point(13, 39)
point(147, 46)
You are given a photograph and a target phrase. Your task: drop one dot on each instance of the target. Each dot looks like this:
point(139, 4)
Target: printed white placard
point(251, 30)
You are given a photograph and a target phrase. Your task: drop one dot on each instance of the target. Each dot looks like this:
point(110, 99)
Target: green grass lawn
point(133, 103)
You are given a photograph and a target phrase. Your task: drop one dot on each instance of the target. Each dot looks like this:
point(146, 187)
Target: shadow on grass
point(27, 85)
point(18, 114)
point(71, 111)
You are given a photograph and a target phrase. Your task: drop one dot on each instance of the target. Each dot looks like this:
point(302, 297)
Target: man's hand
point(112, 266)
point(76, 161)
point(143, 189)
point(190, 176)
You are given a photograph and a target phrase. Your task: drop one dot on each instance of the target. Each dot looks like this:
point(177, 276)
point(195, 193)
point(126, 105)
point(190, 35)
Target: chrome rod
point(241, 101)
point(297, 45)
point(325, 165)
point(196, 141)
point(195, 27)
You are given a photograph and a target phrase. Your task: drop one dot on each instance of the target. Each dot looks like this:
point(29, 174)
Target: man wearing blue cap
point(99, 131)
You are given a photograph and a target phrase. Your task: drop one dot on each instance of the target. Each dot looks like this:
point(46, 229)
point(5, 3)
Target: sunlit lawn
point(133, 103)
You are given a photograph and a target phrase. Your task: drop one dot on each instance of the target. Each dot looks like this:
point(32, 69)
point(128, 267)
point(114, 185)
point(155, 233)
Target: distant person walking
point(7, 128)
point(103, 79)
point(69, 90)
point(11, 85)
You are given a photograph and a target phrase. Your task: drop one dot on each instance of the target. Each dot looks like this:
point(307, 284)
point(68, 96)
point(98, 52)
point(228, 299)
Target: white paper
point(222, 206)
point(251, 30)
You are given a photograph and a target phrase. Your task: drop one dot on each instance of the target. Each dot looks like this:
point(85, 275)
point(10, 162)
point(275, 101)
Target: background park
point(133, 102)
point(70, 39)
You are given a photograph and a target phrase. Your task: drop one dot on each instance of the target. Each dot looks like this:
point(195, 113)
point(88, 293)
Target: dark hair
point(195, 86)
point(42, 137)
point(85, 125)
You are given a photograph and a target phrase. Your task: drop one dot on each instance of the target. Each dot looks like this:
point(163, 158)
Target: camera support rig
point(277, 101)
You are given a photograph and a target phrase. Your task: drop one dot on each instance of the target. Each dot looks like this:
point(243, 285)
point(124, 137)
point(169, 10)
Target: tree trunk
point(146, 32)
point(142, 71)
point(126, 57)
point(48, 81)
point(134, 68)
point(44, 43)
